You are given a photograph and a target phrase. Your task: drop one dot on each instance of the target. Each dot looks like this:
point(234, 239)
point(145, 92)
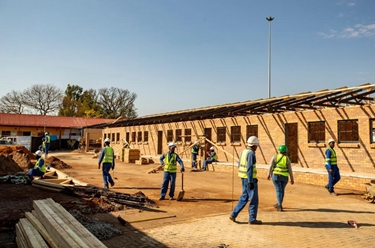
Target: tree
point(44, 99)
point(117, 102)
point(12, 103)
point(72, 102)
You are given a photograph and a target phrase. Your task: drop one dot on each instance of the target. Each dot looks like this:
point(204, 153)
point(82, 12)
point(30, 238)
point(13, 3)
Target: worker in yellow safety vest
point(40, 168)
point(107, 156)
point(280, 170)
point(169, 161)
point(47, 144)
point(247, 171)
point(332, 168)
point(194, 153)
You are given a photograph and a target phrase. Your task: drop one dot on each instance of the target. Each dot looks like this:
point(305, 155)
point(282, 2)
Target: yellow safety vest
point(243, 165)
point(333, 157)
point(170, 164)
point(195, 149)
point(43, 168)
point(48, 139)
point(214, 157)
point(108, 155)
point(281, 165)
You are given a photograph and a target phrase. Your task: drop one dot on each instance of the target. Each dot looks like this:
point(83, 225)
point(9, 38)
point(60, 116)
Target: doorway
point(291, 141)
point(160, 142)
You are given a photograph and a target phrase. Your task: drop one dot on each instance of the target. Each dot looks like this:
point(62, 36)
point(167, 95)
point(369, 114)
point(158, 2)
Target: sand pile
point(10, 149)
point(8, 166)
point(22, 159)
point(56, 163)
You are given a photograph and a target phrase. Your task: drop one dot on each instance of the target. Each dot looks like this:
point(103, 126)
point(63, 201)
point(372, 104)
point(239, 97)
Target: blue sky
point(178, 55)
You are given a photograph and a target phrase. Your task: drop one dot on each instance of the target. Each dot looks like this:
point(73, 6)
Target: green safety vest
point(214, 157)
point(43, 168)
point(48, 139)
point(243, 165)
point(170, 164)
point(281, 165)
point(108, 155)
point(333, 157)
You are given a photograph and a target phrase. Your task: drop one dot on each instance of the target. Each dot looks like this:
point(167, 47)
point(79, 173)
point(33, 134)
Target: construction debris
point(50, 225)
point(155, 169)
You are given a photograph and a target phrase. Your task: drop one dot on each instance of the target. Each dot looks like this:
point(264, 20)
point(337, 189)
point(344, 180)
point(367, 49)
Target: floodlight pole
point(269, 19)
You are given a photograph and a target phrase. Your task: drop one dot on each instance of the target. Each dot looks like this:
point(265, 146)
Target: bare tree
point(12, 102)
point(45, 99)
point(117, 102)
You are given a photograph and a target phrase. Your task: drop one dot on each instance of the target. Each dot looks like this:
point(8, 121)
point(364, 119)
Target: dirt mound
point(56, 163)
point(22, 159)
point(4, 150)
point(8, 166)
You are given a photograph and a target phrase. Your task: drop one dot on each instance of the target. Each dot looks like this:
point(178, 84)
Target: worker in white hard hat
point(194, 153)
point(211, 157)
point(40, 168)
point(169, 161)
point(107, 156)
point(248, 173)
point(47, 144)
point(332, 168)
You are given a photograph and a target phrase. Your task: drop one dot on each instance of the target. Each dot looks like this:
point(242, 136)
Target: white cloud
point(351, 4)
point(340, 15)
point(358, 30)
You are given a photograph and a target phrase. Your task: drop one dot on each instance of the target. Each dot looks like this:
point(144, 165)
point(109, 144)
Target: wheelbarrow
point(369, 196)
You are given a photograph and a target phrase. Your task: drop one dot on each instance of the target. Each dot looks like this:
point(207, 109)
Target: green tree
point(72, 102)
point(117, 102)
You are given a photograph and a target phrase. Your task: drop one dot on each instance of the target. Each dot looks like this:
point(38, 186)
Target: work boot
point(280, 208)
point(275, 205)
point(112, 184)
point(232, 218)
point(333, 193)
point(327, 188)
point(161, 198)
point(171, 198)
point(255, 222)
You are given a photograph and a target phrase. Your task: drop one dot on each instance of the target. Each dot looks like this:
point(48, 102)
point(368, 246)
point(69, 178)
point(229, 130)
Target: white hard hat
point(331, 140)
point(107, 140)
point(38, 153)
point(46, 133)
point(212, 148)
point(252, 141)
point(171, 144)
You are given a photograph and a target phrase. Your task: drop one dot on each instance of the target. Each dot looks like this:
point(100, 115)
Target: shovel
point(182, 192)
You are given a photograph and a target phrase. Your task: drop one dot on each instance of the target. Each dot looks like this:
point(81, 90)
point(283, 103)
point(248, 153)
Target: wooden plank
point(32, 236)
point(75, 225)
point(21, 242)
point(62, 175)
point(42, 230)
point(57, 181)
point(47, 184)
point(55, 230)
point(47, 188)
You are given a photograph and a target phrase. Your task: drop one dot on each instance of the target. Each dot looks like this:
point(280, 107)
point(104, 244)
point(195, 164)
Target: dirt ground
point(207, 193)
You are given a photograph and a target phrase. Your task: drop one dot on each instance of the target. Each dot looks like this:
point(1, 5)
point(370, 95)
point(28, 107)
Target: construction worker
point(40, 168)
point(42, 147)
point(47, 143)
point(248, 173)
point(169, 161)
point(280, 170)
point(107, 156)
point(194, 153)
point(331, 166)
point(212, 157)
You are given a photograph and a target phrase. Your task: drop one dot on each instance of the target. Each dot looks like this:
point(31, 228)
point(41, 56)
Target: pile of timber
point(155, 169)
point(50, 225)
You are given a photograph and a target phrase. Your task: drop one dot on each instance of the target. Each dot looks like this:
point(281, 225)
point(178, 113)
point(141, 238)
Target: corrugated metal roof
point(26, 120)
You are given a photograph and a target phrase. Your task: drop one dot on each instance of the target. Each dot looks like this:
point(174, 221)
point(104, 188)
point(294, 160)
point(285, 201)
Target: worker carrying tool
point(169, 161)
point(107, 156)
point(194, 154)
point(212, 157)
point(47, 144)
point(332, 168)
point(40, 168)
point(247, 171)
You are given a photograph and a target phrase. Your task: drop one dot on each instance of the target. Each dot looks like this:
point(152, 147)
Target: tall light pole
point(269, 19)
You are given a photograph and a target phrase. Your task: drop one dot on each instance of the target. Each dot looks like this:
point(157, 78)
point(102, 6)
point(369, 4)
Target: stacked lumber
point(131, 155)
point(142, 161)
point(50, 225)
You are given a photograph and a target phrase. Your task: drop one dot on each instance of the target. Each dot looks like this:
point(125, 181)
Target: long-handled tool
point(182, 192)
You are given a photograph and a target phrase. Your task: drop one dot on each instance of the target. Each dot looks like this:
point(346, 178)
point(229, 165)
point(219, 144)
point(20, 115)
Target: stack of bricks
point(131, 155)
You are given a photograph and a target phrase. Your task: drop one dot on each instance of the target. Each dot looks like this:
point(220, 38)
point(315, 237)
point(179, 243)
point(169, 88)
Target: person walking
point(40, 168)
point(212, 157)
point(194, 153)
point(107, 156)
point(47, 144)
point(169, 161)
point(280, 170)
point(247, 171)
point(332, 168)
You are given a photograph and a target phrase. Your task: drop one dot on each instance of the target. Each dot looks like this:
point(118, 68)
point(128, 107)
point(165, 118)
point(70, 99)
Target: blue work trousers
point(206, 162)
point(47, 148)
point(168, 176)
point(194, 160)
point(280, 183)
point(333, 177)
point(106, 176)
point(248, 194)
point(35, 172)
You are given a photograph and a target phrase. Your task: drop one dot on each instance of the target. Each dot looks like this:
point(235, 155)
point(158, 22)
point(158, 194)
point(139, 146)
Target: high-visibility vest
point(48, 139)
point(108, 155)
point(243, 164)
point(170, 163)
point(281, 165)
point(41, 168)
point(195, 149)
point(333, 157)
point(214, 157)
